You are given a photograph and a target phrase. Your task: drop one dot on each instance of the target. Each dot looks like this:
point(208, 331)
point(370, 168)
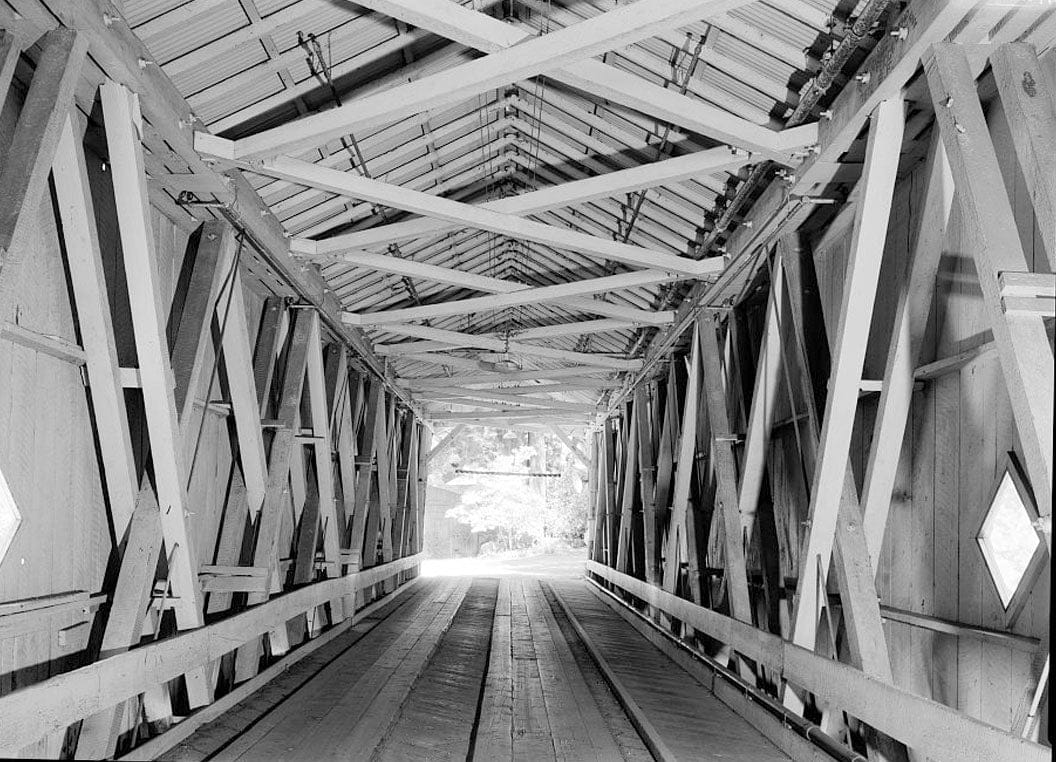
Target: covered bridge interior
point(788, 263)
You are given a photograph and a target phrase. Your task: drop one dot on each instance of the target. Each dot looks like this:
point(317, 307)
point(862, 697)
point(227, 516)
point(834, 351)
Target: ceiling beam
point(575, 192)
point(460, 339)
point(573, 329)
point(598, 79)
point(356, 186)
point(488, 284)
point(500, 377)
point(516, 392)
point(545, 332)
point(438, 358)
point(500, 301)
point(615, 29)
point(509, 413)
point(483, 401)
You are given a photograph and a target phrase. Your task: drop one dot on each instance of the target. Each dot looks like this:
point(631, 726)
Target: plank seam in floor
point(431, 723)
point(674, 707)
point(280, 714)
point(406, 664)
point(328, 648)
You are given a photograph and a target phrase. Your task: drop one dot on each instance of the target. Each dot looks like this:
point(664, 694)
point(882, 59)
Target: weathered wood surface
point(480, 668)
point(936, 730)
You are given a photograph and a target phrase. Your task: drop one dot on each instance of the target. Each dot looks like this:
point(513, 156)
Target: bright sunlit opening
point(507, 502)
point(1007, 539)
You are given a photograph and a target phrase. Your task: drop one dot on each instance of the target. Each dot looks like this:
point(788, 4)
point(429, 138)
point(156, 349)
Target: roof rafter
point(485, 33)
point(623, 26)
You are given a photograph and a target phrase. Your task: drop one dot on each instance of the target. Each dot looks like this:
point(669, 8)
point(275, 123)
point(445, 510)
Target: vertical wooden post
point(266, 547)
point(764, 402)
point(681, 537)
point(592, 497)
point(423, 482)
point(630, 495)
point(364, 475)
point(322, 457)
point(725, 465)
point(645, 404)
point(238, 371)
point(608, 487)
point(340, 396)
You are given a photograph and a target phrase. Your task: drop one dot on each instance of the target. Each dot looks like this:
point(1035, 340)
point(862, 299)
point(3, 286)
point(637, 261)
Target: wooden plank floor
point(485, 668)
point(692, 722)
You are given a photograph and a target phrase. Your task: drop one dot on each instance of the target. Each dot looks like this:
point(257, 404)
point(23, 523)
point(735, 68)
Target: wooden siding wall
point(939, 632)
point(51, 460)
point(960, 429)
point(48, 453)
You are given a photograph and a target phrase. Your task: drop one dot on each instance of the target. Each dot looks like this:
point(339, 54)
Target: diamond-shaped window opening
point(1011, 546)
point(10, 518)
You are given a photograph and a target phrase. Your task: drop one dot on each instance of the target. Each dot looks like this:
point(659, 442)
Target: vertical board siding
point(959, 430)
point(47, 448)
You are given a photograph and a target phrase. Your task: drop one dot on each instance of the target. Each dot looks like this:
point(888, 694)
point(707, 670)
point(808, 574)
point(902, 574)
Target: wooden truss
point(701, 448)
point(265, 400)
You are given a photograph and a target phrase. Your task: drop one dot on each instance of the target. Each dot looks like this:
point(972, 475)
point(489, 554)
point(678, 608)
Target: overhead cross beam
point(584, 375)
point(489, 284)
point(544, 332)
point(500, 301)
point(607, 31)
point(348, 184)
point(566, 194)
point(542, 414)
point(481, 402)
point(459, 339)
